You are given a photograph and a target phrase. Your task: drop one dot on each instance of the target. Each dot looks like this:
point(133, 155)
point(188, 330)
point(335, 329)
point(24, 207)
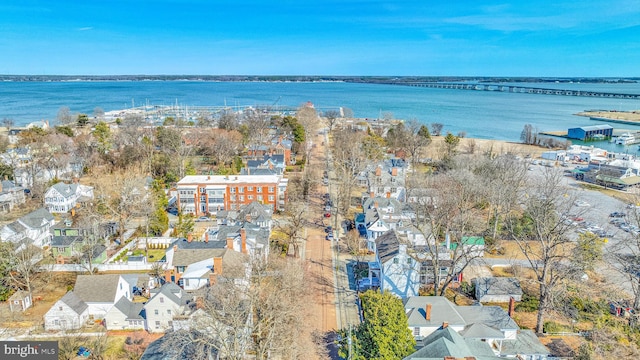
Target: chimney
point(427, 312)
point(512, 306)
point(375, 205)
point(217, 265)
point(378, 171)
point(372, 195)
point(243, 239)
point(175, 248)
point(445, 325)
point(388, 195)
point(394, 171)
point(199, 303)
point(212, 279)
point(206, 236)
point(189, 237)
point(230, 243)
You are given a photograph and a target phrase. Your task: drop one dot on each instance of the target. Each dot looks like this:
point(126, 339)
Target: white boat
point(625, 139)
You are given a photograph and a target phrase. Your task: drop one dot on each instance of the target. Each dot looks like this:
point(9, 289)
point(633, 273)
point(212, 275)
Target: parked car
point(328, 229)
point(617, 214)
point(203, 218)
point(581, 203)
point(327, 214)
point(329, 236)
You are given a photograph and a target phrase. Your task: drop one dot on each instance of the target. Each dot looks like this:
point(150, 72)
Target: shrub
point(528, 304)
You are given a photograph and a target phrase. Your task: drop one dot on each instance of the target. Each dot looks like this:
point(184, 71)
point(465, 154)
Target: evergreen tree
point(384, 334)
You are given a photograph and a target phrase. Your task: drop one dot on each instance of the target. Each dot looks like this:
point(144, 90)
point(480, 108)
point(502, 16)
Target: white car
point(581, 203)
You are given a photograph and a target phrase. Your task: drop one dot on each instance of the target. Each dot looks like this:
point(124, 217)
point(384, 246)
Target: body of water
point(481, 114)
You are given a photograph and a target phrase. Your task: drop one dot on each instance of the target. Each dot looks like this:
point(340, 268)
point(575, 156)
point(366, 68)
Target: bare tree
point(22, 260)
point(449, 218)
point(436, 129)
point(504, 177)
point(545, 240)
point(332, 116)
point(122, 198)
point(292, 227)
point(64, 116)
point(8, 123)
point(258, 124)
point(264, 317)
point(98, 112)
point(228, 120)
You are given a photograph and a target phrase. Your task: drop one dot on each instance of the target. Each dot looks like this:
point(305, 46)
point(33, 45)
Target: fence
point(102, 267)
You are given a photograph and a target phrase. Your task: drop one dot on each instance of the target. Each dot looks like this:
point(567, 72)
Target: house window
point(395, 260)
point(156, 312)
point(271, 197)
point(250, 197)
point(161, 300)
point(241, 198)
point(258, 189)
point(416, 331)
point(250, 188)
point(157, 324)
point(259, 197)
point(241, 190)
point(56, 322)
point(60, 308)
point(272, 189)
point(233, 190)
point(168, 311)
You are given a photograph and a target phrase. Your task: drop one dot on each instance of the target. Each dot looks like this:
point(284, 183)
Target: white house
point(101, 292)
point(125, 315)
point(61, 197)
point(166, 302)
point(10, 195)
point(491, 325)
point(399, 271)
point(33, 228)
point(68, 313)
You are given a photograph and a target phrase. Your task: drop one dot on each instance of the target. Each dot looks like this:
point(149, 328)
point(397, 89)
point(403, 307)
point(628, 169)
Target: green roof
point(468, 240)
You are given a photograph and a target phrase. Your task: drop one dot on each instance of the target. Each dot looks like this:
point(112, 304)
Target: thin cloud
point(87, 28)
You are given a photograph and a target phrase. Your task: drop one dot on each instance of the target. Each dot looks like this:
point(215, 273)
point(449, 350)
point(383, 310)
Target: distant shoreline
point(311, 78)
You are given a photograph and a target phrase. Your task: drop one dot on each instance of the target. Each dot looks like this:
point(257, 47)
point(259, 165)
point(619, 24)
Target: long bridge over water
point(517, 89)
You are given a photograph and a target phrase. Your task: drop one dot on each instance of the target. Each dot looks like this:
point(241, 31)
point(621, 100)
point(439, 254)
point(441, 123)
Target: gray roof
point(382, 202)
point(173, 293)
point(35, 218)
point(387, 246)
point(493, 316)
point(72, 300)
point(526, 343)
point(447, 342)
point(595, 127)
point(17, 227)
point(66, 190)
point(481, 331)
point(130, 309)
point(497, 286)
point(442, 310)
point(64, 241)
point(97, 288)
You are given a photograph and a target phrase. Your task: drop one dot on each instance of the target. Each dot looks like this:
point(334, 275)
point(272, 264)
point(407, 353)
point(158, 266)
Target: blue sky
point(321, 37)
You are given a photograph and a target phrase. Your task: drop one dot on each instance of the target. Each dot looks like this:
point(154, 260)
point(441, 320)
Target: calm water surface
point(481, 114)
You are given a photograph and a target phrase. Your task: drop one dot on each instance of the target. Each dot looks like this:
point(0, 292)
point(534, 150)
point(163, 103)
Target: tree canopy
point(384, 334)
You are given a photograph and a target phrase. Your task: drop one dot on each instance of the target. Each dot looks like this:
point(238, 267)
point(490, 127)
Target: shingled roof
point(97, 288)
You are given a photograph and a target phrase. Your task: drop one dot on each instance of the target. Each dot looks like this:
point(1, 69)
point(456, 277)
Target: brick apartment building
point(202, 194)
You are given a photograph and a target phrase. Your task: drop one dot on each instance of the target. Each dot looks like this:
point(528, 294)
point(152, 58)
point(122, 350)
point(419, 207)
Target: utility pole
point(349, 341)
